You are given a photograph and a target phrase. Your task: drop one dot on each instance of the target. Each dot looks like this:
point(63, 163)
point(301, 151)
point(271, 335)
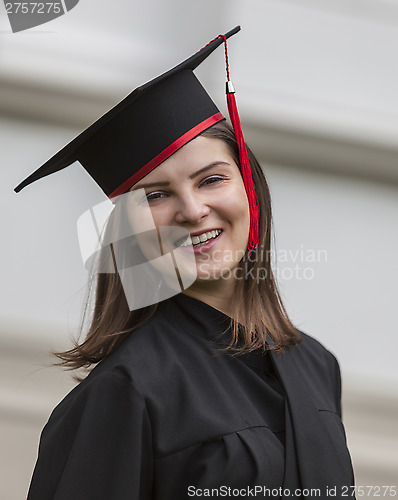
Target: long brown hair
point(256, 302)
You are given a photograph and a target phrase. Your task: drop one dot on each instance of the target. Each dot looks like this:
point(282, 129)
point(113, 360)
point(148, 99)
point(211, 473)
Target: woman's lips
point(204, 247)
point(192, 242)
point(199, 238)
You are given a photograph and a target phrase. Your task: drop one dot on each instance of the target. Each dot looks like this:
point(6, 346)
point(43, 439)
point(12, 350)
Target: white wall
point(349, 299)
point(317, 95)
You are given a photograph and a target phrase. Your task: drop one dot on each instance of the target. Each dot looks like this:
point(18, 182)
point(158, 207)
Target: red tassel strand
point(246, 171)
point(243, 159)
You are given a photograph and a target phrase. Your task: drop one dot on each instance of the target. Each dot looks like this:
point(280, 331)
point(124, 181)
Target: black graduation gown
point(168, 416)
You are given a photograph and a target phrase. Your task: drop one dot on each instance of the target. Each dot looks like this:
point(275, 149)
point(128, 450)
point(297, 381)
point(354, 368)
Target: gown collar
point(201, 319)
point(212, 324)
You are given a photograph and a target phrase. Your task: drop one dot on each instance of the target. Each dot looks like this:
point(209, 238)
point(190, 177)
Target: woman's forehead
point(199, 153)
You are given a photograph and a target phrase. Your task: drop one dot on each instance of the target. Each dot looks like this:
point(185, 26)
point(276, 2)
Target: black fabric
point(143, 131)
point(138, 128)
point(169, 410)
point(262, 365)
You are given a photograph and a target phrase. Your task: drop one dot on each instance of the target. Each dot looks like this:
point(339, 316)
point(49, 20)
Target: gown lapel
point(291, 480)
point(307, 435)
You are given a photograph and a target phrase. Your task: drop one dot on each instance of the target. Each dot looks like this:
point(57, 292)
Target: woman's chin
point(209, 273)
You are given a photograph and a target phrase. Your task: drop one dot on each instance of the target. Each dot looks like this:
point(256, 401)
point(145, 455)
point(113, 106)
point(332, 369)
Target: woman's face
point(200, 188)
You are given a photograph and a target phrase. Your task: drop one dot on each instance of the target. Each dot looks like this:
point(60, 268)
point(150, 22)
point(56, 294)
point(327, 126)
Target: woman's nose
point(191, 208)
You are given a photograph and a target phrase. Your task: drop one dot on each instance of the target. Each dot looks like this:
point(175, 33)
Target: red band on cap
point(181, 141)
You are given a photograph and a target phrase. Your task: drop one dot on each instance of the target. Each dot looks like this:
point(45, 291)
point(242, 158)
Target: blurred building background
point(316, 88)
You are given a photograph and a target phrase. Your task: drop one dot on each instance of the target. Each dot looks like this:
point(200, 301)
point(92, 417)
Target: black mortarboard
point(144, 129)
point(147, 127)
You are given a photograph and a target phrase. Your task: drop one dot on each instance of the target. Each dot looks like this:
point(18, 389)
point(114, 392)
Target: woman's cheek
point(235, 203)
point(161, 214)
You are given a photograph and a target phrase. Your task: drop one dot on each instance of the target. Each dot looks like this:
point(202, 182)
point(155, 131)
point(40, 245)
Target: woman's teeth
point(201, 239)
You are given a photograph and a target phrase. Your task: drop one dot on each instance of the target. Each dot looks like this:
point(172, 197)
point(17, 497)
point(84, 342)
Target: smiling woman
point(200, 189)
point(211, 387)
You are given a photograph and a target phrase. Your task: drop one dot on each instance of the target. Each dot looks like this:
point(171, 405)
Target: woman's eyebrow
point(207, 167)
point(150, 185)
point(192, 176)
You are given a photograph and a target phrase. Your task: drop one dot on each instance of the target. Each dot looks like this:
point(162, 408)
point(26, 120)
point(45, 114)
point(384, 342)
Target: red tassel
point(243, 159)
point(246, 171)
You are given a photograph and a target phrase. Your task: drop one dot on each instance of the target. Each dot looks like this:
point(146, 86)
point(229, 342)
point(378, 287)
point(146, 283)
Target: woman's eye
point(155, 196)
point(213, 179)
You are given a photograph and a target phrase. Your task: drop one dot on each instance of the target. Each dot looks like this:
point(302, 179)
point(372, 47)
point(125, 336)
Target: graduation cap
point(147, 127)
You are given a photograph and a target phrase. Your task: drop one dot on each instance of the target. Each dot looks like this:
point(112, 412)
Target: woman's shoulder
point(134, 359)
point(149, 352)
point(313, 359)
point(312, 347)
point(316, 363)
